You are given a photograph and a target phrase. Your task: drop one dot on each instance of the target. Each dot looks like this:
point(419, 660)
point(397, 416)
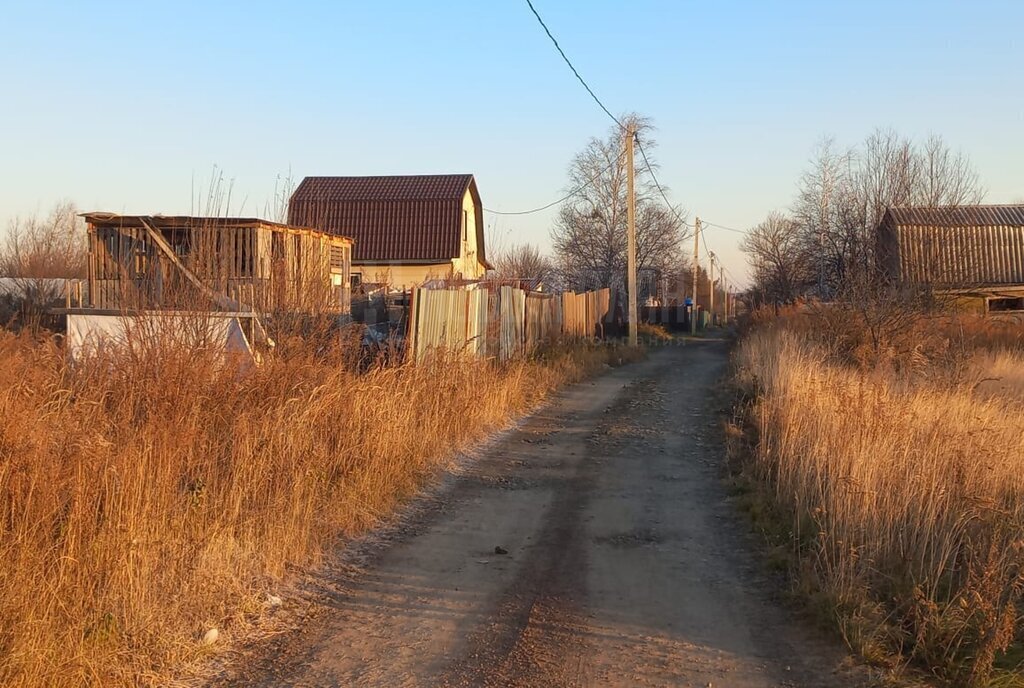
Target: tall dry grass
point(905, 494)
point(145, 500)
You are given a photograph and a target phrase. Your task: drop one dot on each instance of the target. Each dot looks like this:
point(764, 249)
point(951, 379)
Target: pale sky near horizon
point(129, 106)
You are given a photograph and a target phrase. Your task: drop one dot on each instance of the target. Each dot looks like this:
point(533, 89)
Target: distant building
point(407, 229)
point(973, 253)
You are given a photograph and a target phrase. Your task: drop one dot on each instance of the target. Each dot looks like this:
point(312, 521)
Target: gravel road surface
point(593, 545)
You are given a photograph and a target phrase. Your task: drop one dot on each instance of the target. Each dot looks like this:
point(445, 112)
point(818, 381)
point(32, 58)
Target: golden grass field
point(147, 499)
point(901, 487)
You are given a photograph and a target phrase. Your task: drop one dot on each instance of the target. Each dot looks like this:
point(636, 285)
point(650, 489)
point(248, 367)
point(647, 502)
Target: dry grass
point(145, 501)
point(905, 488)
point(999, 374)
point(653, 333)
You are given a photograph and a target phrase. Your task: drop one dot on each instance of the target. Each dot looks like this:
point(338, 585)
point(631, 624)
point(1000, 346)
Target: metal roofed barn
point(973, 252)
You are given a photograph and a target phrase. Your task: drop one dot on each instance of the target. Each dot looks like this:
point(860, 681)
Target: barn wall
point(959, 256)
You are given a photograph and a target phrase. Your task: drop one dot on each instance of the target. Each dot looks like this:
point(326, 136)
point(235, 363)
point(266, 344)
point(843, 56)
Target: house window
point(356, 280)
point(465, 225)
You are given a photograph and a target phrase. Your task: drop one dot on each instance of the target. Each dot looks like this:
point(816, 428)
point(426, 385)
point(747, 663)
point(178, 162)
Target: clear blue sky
point(123, 106)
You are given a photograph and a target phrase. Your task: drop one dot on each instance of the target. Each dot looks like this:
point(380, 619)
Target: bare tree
point(824, 196)
point(589, 235)
point(39, 253)
point(948, 178)
point(843, 195)
point(525, 261)
point(48, 247)
point(782, 266)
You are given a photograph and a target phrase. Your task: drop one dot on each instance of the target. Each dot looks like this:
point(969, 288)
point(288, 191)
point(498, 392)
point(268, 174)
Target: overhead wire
point(597, 100)
point(574, 71)
point(657, 184)
point(636, 138)
point(564, 198)
point(728, 229)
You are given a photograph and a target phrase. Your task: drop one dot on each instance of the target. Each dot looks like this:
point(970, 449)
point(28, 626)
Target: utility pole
point(725, 295)
point(696, 263)
point(631, 239)
point(711, 289)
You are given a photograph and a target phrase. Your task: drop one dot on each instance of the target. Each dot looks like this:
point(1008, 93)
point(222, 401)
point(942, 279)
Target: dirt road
point(625, 566)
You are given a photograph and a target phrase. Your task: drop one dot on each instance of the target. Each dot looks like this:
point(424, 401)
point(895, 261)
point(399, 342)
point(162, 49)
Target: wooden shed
point(219, 263)
point(974, 253)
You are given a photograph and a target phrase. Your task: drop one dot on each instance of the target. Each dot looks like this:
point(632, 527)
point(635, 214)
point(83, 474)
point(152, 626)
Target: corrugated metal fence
point(504, 322)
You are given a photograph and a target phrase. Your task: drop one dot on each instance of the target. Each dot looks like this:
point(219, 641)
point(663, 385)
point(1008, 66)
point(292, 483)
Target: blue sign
point(689, 301)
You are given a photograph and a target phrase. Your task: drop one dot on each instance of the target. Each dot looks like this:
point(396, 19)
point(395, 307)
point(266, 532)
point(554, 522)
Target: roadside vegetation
point(147, 499)
point(887, 461)
point(153, 497)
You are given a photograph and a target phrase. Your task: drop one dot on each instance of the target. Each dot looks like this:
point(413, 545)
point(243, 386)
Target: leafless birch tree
point(589, 235)
point(843, 195)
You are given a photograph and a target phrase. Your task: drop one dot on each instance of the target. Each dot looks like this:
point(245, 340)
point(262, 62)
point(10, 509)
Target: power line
point(608, 112)
point(654, 177)
point(535, 210)
point(664, 196)
point(566, 197)
point(728, 229)
point(564, 57)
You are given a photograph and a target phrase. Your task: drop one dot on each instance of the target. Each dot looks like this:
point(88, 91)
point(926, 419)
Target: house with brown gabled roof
point(407, 229)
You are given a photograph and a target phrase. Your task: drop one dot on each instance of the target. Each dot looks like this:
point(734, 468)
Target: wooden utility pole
point(631, 239)
point(725, 295)
point(696, 264)
point(711, 289)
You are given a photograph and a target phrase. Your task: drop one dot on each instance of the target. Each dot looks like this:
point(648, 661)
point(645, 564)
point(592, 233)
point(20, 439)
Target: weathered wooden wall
point(262, 268)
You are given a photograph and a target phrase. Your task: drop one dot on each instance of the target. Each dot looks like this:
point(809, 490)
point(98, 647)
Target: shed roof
point(408, 218)
point(958, 216)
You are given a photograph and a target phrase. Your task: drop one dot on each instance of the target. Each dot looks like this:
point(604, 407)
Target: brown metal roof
point(962, 246)
point(421, 187)
point(959, 216)
point(413, 218)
